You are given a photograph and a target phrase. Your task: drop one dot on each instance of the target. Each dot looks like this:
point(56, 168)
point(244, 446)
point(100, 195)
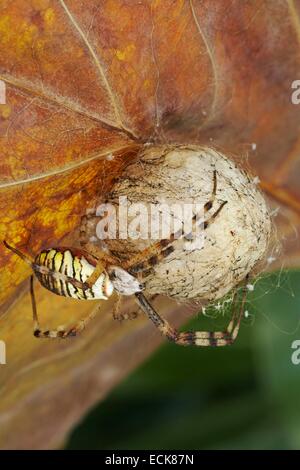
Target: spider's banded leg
point(17, 252)
point(116, 309)
point(234, 325)
point(151, 256)
point(59, 332)
point(197, 338)
point(33, 303)
point(131, 315)
point(208, 205)
point(211, 219)
point(103, 260)
point(122, 315)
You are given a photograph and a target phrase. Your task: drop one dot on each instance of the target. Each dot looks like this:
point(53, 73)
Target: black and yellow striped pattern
point(188, 338)
point(63, 272)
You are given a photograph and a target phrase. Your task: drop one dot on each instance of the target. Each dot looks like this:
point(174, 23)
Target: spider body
point(75, 273)
point(66, 267)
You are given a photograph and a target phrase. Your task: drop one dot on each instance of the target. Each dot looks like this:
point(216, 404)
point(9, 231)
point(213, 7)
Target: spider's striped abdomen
point(60, 262)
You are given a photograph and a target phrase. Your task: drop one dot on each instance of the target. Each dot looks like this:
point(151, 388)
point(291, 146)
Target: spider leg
point(120, 316)
point(151, 256)
point(116, 310)
point(208, 205)
point(103, 260)
point(59, 332)
point(18, 253)
point(197, 338)
point(235, 322)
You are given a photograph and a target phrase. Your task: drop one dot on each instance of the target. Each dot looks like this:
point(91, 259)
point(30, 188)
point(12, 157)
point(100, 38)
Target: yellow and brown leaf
point(88, 79)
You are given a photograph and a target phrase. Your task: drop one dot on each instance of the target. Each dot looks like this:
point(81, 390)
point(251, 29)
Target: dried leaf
point(88, 80)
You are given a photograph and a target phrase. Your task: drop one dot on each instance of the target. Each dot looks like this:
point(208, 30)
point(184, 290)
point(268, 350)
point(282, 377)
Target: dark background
point(245, 396)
